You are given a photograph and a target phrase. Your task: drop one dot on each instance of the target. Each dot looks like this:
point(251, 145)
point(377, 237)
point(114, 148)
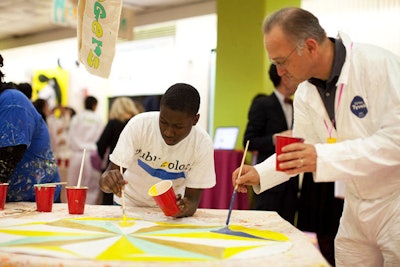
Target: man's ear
point(311, 45)
point(196, 119)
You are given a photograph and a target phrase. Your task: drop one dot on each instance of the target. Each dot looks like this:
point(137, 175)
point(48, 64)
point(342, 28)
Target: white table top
point(301, 252)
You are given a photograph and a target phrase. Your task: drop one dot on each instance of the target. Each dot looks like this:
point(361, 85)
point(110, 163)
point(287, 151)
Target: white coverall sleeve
point(269, 177)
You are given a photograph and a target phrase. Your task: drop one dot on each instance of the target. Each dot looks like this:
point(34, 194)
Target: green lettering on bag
point(99, 11)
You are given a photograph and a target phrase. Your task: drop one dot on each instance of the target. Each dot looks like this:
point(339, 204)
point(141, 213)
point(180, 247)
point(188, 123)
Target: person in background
point(25, 88)
point(42, 106)
point(84, 131)
point(270, 115)
point(121, 111)
point(348, 110)
point(58, 124)
point(25, 153)
point(163, 145)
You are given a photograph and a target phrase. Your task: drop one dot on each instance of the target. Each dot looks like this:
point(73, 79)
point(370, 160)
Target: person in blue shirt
point(26, 157)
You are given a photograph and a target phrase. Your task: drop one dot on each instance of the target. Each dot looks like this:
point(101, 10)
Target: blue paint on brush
point(231, 207)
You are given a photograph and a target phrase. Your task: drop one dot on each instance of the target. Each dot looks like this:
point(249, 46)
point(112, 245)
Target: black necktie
point(288, 101)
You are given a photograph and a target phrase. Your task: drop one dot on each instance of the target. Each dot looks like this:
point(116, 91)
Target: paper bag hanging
point(97, 32)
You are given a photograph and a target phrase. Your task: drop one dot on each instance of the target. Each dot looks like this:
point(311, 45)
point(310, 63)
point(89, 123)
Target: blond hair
point(122, 109)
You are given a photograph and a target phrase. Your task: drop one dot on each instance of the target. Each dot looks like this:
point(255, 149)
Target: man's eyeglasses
point(281, 63)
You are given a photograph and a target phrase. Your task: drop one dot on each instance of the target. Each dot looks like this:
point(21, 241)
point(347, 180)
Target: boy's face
point(175, 125)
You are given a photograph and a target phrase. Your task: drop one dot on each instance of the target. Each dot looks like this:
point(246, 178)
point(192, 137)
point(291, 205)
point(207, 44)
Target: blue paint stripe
point(160, 173)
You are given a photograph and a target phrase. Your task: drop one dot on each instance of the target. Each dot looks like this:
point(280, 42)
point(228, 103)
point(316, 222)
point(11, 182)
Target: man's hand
point(297, 158)
point(249, 176)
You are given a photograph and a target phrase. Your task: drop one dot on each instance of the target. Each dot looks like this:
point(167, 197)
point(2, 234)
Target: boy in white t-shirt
point(164, 145)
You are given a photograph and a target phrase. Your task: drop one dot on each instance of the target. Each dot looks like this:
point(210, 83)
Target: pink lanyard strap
point(329, 129)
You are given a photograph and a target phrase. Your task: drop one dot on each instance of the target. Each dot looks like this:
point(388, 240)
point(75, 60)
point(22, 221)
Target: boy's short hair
point(182, 97)
point(90, 102)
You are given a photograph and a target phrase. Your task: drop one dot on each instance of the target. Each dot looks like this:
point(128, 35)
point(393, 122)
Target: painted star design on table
point(138, 240)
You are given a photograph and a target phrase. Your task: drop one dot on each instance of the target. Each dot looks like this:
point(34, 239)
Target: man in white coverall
point(348, 110)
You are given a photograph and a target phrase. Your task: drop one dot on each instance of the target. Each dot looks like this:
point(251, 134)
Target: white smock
point(84, 131)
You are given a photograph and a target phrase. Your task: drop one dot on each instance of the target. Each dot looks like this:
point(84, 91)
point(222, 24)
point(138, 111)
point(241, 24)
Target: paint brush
point(81, 169)
point(236, 186)
point(123, 207)
point(123, 199)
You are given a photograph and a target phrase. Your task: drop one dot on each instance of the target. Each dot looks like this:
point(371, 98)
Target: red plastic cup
point(3, 195)
point(280, 142)
point(164, 195)
point(44, 197)
point(76, 197)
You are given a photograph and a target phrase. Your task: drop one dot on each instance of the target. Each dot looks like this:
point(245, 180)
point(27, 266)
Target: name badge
point(331, 140)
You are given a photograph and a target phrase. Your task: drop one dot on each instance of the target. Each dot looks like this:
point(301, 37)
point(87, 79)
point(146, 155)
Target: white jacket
point(84, 131)
point(367, 152)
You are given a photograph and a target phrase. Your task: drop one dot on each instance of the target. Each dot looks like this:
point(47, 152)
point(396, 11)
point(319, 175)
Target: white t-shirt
point(148, 159)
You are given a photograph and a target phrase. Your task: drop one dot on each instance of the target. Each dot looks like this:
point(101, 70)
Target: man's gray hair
point(298, 24)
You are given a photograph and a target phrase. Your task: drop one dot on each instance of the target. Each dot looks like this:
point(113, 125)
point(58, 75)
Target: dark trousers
point(108, 199)
point(282, 198)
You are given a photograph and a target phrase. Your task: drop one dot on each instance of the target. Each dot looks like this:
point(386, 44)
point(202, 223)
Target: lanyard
point(330, 139)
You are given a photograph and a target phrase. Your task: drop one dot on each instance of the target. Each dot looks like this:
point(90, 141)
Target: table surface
point(301, 253)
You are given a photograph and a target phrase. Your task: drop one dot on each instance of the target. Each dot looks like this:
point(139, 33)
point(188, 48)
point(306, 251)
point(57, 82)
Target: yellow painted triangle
point(229, 252)
point(120, 250)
